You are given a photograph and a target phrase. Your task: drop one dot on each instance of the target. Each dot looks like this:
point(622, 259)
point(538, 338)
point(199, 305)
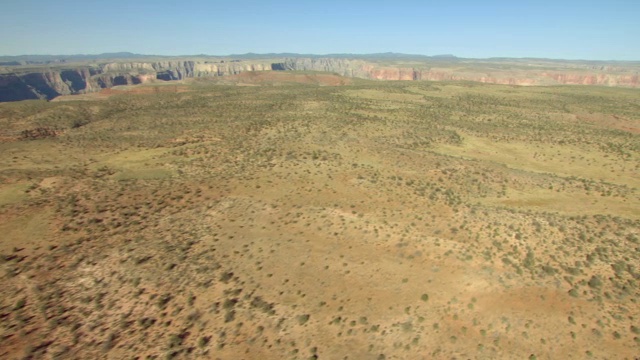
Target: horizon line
point(294, 54)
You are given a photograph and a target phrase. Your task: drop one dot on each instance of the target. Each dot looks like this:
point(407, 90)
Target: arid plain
point(305, 215)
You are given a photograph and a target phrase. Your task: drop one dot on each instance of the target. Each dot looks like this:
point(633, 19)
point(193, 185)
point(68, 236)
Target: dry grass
point(366, 221)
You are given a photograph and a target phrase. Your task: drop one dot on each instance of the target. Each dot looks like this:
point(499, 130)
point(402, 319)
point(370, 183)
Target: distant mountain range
point(44, 59)
point(388, 56)
point(378, 56)
point(67, 58)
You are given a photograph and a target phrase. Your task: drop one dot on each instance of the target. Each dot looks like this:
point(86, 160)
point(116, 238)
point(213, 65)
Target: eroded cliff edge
point(22, 84)
point(18, 83)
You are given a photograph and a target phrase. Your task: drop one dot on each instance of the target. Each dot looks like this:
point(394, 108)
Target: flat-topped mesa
point(586, 75)
point(342, 67)
point(48, 83)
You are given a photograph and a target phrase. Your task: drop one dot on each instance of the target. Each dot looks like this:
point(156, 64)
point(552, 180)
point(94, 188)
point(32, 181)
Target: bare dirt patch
point(275, 77)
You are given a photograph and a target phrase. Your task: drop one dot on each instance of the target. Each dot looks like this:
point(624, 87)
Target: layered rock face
point(598, 79)
point(49, 83)
point(343, 67)
point(362, 69)
point(178, 70)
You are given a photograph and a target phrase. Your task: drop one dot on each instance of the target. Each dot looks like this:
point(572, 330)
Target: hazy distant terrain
point(304, 215)
point(46, 77)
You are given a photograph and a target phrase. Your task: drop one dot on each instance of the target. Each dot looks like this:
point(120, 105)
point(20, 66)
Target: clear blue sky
point(599, 30)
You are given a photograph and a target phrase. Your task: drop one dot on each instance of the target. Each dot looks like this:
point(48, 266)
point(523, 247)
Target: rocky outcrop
point(343, 67)
point(12, 88)
point(178, 70)
point(506, 79)
point(394, 74)
point(50, 83)
point(594, 79)
point(357, 68)
point(191, 69)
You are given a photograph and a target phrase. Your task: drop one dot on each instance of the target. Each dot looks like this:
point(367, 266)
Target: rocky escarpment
point(361, 69)
point(48, 83)
point(349, 68)
point(190, 69)
point(631, 80)
point(343, 67)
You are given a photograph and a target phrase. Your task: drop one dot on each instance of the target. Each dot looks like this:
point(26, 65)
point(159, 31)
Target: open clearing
point(311, 216)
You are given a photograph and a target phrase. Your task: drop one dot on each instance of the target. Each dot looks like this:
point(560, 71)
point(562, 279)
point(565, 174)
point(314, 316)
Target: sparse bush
point(302, 319)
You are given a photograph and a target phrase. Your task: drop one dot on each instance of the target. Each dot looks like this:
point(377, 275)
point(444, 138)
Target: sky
point(591, 30)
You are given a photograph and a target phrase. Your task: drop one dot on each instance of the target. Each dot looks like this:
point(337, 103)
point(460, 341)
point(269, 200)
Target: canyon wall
point(49, 83)
point(361, 69)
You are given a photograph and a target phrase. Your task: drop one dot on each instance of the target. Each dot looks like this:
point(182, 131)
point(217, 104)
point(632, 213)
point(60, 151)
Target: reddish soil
point(137, 90)
point(260, 77)
point(612, 122)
